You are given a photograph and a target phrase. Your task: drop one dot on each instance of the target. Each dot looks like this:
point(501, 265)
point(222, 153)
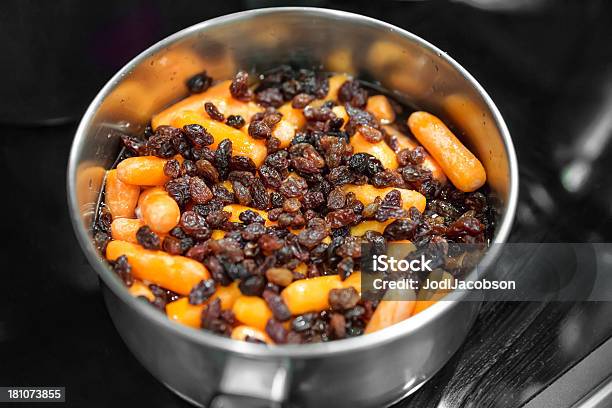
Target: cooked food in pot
point(243, 208)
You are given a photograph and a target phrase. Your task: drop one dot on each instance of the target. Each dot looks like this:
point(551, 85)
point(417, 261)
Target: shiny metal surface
point(371, 370)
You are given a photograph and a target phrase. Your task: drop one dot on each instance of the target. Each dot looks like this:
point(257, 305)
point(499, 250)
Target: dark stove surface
point(549, 70)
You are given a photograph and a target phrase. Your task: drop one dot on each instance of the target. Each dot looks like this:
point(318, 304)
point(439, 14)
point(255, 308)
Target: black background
point(548, 69)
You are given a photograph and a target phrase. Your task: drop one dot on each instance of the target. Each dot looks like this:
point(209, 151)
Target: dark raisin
point(387, 178)
point(313, 199)
point(270, 177)
point(161, 143)
point(135, 145)
point(207, 171)
point(277, 305)
point(239, 88)
point(276, 331)
point(270, 97)
point(242, 163)
point(340, 175)
point(371, 134)
point(250, 216)
point(217, 272)
point(223, 156)
point(253, 231)
point(178, 189)
point(269, 243)
point(341, 218)
point(278, 160)
point(189, 168)
point(199, 83)
point(147, 238)
point(401, 229)
point(195, 225)
point(197, 135)
point(293, 186)
point(259, 130)
point(202, 291)
point(217, 219)
point(172, 168)
point(172, 245)
point(124, 270)
point(311, 237)
point(352, 93)
point(213, 112)
point(292, 205)
point(235, 121)
point(343, 299)
point(252, 285)
point(199, 191)
point(303, 322)
point(300, 101)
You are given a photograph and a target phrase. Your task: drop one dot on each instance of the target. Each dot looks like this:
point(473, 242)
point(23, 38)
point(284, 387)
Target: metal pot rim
point(316, 350)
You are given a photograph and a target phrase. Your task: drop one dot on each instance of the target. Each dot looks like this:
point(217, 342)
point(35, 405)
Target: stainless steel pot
point(206, 369)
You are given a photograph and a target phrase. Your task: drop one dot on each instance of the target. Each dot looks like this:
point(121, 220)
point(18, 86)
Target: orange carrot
point(120, 198)
point(380, 150)
point(158, 210)
point(140, 289)
point(172, 272)
point(462, 168)
point(242, 332)
point(124, 229)
point(218, 94)
point(242, 143)
point(401, 141)
point(380, 107)
point(367, 194)
point(389, 312)
point(252, 311)
point(142, 171)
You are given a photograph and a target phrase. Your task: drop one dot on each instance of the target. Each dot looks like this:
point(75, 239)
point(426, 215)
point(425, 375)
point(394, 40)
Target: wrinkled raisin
point(124, 270)
point(147, 238)
point(239, 88)
point(235, 121)
point(199, 191)
point(213, 112)
point(202, 291)
point(343, 299)
point(199, 83)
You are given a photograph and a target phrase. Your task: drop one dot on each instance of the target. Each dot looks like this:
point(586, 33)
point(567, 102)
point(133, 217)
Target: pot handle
point(248, 383)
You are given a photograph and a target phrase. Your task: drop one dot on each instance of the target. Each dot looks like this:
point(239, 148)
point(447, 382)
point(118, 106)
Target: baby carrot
point(190, 315)
point(401, 141)
point(218, 94)
point(183, 312)
point(142, 171)
point(311, 295)
point(462, 168)
point(158, 210)
point(380, 107)
point(140, 289)
point(252, 311)
point(380, 150)
point(242, 143)
point(124, 229)
point(368, 193)
point(389, 312)
point(173, 272)
point(242, 332)
point(120, 198)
